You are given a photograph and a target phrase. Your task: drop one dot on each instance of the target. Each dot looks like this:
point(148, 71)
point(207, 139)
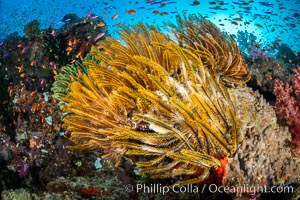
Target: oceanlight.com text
point(212, 188)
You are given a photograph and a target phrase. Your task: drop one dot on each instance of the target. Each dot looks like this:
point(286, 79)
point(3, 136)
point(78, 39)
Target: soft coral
point(287, 106)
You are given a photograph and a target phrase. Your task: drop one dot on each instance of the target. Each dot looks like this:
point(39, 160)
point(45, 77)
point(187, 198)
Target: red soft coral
point(287, 106)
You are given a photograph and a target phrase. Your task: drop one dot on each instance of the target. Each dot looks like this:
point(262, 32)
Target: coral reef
point(287, 106)
point(32, 29)
point(157, 102)
point(32, 143)
point(254, 49)
point(104, 181)
point(266, 62)
point(264, 73)
point(19, 194)
point(287, 54)
point(264, 157)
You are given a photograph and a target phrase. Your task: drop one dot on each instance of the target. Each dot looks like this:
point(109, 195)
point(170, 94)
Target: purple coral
point(23, 169)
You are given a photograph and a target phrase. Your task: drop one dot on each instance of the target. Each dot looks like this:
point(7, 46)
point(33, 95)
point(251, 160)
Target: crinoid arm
point(218, 50)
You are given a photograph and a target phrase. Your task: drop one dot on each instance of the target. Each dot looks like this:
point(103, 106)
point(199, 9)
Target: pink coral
point(287, 106)
point(296, 82)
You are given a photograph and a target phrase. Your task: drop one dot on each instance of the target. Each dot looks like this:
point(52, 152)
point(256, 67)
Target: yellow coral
point(153, 98)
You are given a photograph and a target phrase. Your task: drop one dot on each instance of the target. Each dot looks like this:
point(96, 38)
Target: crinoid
point(152, 98)
point(218, 51)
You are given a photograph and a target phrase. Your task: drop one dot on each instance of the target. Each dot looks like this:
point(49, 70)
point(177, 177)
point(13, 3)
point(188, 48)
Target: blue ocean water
point(267, 20)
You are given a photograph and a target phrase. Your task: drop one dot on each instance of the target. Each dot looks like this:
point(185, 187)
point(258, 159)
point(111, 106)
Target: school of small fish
point(276, 17)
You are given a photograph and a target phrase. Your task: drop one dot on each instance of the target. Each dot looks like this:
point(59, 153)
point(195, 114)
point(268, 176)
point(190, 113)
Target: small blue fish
point(100, 35)
point(110, 7)
point(6, 54)
point(66, 20)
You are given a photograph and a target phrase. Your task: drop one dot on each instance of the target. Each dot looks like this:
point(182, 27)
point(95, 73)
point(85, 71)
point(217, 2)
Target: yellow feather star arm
point(199, 34)
point(199, 179)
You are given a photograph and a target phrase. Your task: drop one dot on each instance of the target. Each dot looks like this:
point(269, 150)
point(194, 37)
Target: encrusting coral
point(160, 100)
